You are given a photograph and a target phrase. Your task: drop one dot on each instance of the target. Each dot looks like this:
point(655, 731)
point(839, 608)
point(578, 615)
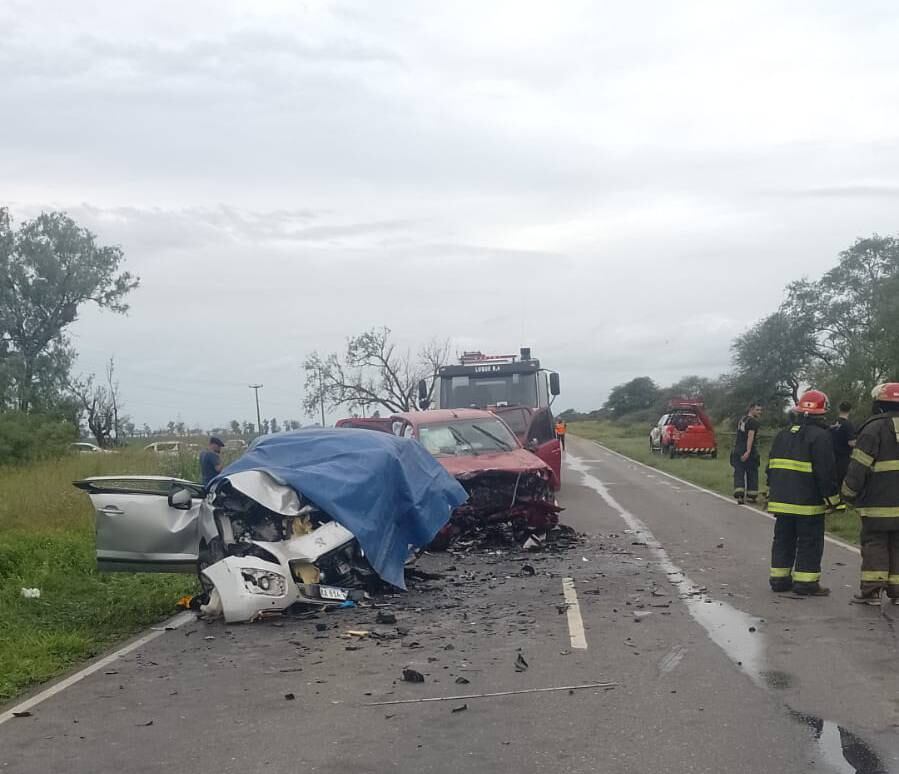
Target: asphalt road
point(712, 672)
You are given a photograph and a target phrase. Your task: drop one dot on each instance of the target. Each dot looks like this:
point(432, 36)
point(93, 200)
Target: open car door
point(145, 523)
point(542, 441)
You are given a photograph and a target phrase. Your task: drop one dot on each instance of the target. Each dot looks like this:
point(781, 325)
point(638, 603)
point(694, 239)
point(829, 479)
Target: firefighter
point(801, 488)
point(872, 484)
point(745, 456)
point(561, 429)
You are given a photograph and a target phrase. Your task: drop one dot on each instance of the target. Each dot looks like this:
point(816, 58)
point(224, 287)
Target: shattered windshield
point(467, 437)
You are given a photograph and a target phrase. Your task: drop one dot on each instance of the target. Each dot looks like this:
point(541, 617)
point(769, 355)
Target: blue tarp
point(388, 491)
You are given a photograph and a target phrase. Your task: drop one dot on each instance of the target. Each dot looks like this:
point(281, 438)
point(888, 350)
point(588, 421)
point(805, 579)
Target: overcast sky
point(623, 187)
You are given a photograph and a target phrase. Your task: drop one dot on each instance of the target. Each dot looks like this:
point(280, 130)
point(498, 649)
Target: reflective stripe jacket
point(802, 471)
point(872, 481)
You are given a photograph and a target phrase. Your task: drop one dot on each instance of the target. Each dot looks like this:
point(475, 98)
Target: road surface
point(665, 597)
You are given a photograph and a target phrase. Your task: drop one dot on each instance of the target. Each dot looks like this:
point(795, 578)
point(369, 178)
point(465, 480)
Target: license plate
point(329, 592)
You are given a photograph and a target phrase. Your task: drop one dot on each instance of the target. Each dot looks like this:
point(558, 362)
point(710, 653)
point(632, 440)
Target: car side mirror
point(554, 388)
point(180, 499)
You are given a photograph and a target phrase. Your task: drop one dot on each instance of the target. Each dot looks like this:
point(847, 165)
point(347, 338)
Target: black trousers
point(842, 468)
point(880, 556)
point(796, 551)
point(746, 477)
point(561, 438)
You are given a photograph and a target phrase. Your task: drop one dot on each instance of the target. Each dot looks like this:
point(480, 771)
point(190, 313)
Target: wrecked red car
point(505, 482)
point(535, 430)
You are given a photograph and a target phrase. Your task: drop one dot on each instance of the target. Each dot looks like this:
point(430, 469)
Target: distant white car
point(165, 447)
point(85, 447)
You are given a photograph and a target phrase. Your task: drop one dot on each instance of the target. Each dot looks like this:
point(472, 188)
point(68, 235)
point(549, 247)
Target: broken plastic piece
point(412, 676)
point(520, 664)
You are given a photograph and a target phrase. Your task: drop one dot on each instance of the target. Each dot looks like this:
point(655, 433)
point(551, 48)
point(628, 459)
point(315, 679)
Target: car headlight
point(272, 584)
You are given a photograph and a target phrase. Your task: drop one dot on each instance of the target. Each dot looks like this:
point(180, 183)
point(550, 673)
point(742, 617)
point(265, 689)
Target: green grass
point(47, 542)
point(714, 474)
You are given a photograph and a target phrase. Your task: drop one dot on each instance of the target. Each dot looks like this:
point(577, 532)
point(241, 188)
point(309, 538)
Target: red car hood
point(515, 461)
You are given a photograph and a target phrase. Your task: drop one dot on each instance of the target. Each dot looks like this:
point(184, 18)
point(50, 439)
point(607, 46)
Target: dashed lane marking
point(25, 706)
point(575, 622)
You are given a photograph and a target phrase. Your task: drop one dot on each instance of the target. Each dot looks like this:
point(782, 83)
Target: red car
point(685, 429)
point(505, 482)
point(535, 428)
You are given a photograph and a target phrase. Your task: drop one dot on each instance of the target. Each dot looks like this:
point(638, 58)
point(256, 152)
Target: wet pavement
point(712, 672)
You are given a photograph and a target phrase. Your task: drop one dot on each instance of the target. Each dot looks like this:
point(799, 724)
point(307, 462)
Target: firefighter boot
point(811, 590)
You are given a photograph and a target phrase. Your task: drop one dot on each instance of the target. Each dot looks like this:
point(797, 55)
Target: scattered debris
point(289, 696)
point(603, 686)
point(462, 680)
point(412, 676)
point(321, 627)
point(639, 615)
point(148, 723)
point(527, 570)
point(357, 633)
point(385, 617)
point(460, 708)
point(752, 629)
point(22, 714)
point(520, 664)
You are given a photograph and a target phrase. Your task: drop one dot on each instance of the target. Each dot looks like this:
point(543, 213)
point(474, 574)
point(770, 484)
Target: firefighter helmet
point(889, 391)
point(812, 402)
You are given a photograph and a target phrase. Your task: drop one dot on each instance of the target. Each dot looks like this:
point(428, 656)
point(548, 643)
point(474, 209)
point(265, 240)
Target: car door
point(140, 527)
point(542, 441)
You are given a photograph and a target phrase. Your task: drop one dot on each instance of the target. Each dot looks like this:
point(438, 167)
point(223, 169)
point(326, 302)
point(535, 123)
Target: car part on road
point(495, 694)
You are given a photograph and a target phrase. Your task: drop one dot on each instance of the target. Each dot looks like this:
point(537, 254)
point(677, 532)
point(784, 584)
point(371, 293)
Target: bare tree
point(100, 403)
point(372, 372)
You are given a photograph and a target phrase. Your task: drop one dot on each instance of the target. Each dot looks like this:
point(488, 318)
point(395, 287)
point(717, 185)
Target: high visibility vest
point(560, 428)
point(872, 481)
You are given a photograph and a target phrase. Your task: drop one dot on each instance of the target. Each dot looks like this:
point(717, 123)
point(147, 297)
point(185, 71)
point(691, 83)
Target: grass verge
point(714, 474)
point(47, 542)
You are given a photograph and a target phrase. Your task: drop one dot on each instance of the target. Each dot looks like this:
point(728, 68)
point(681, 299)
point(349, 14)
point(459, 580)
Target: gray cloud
point(623, 188)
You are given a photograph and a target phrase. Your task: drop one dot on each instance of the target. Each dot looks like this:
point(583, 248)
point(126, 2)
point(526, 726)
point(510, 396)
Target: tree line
point(838, 333)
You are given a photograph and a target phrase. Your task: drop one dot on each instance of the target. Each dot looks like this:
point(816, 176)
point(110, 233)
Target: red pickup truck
point(685, 429)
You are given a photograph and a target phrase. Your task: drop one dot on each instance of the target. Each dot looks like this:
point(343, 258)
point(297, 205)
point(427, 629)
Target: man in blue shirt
point(211, 460)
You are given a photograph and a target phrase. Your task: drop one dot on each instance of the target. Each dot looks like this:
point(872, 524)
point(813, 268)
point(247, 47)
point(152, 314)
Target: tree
point(294, 425)
point(235, 427)
point(180, 427)
point(146, 430)
point(373, 372)
point(274, 426)
point(264, 428)
point(49, 268)
point(171, 427)
point(130, 428)
point(636, 395)
point(100, 404)
point(249, 428)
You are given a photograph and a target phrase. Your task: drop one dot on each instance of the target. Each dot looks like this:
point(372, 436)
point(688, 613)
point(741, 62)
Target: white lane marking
point(575, 622)
point(723, 623)
point(728, 500)
point(173, 623)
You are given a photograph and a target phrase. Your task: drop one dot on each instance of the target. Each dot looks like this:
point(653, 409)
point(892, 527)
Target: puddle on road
point(736, 633)
point(840, 749)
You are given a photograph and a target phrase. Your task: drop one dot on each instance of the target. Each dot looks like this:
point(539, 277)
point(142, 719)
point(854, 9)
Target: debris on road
point(385, 617)
point(413, 676)
point(289, 696)
point(460, 708)
point(462, 681)
point(22, 714)
point(424, 700)
point(520, 664)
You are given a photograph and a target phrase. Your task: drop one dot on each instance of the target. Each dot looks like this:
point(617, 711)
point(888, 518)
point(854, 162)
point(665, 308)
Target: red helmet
point(889, 391)
point(812, 402)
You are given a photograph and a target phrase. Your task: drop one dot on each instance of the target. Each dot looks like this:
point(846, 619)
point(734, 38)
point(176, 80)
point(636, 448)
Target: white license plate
point(329, 592)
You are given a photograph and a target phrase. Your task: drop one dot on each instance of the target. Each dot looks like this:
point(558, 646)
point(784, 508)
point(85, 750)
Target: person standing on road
point(872, 485)
point(561, 429)
point(801, 489)
point(211, 460)
point(745, 456)
point(843, 434)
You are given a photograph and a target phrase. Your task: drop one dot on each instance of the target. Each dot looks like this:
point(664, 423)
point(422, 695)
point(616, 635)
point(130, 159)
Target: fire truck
point(514, 387)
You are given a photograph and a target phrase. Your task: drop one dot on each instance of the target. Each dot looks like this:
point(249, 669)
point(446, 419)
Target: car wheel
point(209, 554)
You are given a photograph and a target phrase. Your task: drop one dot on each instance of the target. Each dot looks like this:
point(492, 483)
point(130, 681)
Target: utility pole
point(257, 387)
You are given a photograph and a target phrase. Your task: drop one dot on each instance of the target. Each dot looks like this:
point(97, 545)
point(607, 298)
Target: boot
point(868, 598)
point(740, 500)
point(811, 590)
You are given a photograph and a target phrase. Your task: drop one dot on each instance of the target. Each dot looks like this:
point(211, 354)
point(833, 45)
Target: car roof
point(436, 416)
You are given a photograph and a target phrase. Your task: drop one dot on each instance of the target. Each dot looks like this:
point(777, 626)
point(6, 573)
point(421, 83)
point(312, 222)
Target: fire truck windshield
point(488, 390)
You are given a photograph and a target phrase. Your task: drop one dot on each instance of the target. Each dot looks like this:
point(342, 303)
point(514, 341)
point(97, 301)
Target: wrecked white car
point(315, 516)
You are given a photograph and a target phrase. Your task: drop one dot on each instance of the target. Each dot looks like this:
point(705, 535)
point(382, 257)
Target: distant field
point(47, 542)
point(714, 474)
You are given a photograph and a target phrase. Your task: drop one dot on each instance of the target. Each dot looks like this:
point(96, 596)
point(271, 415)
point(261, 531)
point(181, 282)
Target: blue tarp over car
point(388, 491)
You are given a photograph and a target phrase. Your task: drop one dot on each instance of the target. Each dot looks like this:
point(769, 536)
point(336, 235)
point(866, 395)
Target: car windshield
point(466, 437)
point(489, 390)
